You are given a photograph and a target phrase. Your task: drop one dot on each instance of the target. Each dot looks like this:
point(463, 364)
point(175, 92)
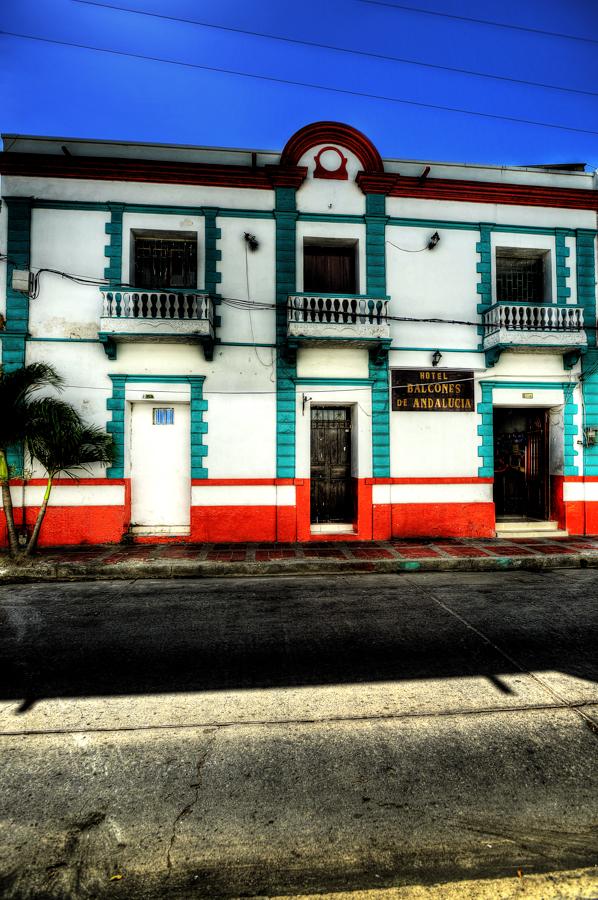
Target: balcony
point(361, 320)
point(175, 316)
point(534, 327)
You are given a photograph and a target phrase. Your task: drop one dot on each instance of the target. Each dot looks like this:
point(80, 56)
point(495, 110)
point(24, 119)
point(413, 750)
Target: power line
point(243, 304)
point(337, 49)
point(306, 84)
point(431, 12)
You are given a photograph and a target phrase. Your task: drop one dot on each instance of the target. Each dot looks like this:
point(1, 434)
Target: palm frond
point(62, 441)
point(17, 389)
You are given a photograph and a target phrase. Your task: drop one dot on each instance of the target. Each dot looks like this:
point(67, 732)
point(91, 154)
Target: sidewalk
point(217, 560)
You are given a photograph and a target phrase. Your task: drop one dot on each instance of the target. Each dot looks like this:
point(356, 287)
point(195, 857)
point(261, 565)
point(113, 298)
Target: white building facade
point(308, 345)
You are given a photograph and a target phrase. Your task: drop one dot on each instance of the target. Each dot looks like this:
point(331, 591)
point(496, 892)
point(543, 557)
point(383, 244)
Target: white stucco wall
point(323, 195)
point(69, 241)
point(248, 275)
point(136, 192)
point(438, 283)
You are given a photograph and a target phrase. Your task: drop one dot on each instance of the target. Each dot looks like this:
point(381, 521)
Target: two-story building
point(310, 345)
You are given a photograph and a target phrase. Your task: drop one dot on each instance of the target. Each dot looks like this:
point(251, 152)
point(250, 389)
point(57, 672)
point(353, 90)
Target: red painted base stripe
point(471, 520)
point(68, 525)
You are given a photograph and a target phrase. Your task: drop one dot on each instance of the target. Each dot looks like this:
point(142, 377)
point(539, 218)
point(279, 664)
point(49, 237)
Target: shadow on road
point(74, 640)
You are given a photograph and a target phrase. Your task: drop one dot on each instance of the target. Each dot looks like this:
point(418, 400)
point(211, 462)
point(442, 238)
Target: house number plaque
point(432, 390)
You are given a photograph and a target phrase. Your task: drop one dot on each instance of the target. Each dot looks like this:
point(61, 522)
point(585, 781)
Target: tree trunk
point(31, 546)
point(13, 540)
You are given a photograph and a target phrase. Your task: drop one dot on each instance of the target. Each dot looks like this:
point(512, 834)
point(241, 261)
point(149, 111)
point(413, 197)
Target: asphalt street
point(264, 736)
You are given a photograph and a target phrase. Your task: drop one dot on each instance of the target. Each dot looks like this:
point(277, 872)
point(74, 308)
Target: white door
point(160, 467)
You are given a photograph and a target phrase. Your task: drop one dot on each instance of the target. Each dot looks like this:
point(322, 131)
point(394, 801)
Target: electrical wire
point(243, 304)
point(405, 250)
point(364, 53)
point(306, 84)
point(269, 365)
point(444, 15)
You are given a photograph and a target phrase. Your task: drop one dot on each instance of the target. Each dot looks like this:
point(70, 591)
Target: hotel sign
point(434, 390)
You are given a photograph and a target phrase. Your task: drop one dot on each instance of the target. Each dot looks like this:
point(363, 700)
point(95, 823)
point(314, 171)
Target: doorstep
point(332, 528)
point(522, 527)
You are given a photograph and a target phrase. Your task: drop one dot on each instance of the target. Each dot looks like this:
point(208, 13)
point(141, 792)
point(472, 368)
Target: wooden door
point(330, 270)
point(331, 482)
point(536, 465)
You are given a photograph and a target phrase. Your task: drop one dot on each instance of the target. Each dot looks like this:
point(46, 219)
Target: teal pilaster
point(113, 251)
point(375, 249)
point(484, 270)
point(378, 372)
point(286, 367)
point(570, 433)
point(116, 426)
point(562, 252)
point(199, 427)
point(213, 255)
point(198, 407)
point(586, 297)
point(585, 244)
point(589, 386)
point(486, 431)
point(375, 243)
point(18, 250)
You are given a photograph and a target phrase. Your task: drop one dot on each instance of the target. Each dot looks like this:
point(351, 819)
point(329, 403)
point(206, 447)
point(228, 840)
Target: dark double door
point(521, 478)
point(332, 496)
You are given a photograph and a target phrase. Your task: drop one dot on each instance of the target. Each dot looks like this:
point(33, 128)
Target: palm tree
point(63, 442)
point(17, 409)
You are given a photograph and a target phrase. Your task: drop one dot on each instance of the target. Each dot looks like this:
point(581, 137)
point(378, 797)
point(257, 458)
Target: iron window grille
point(163, 415)
point(164, 261)
point(520, 276)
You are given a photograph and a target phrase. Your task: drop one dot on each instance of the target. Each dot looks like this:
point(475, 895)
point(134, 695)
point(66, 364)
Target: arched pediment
point(335, 134)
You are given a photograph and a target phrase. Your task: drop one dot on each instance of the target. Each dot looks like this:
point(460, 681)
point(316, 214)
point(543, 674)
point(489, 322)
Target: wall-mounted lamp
point(436, 357)
point(433, 240)
point(252, 241)
point(306, 400)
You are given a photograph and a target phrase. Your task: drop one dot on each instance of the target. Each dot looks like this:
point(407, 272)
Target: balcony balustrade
point(182, 316)
point(359, 319)
point(534, 327)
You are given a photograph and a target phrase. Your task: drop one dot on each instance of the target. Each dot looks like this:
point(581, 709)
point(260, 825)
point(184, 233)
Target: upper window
point(522, 275)
point(330, 267)
point(164, 259)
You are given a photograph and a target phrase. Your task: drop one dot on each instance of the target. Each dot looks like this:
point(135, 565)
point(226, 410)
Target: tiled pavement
point(354, 550)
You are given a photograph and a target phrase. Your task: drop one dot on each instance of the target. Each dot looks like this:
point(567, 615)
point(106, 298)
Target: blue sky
point(54, 89)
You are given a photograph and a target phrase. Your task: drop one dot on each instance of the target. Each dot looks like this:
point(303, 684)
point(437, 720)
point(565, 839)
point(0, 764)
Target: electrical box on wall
point(591, 436)
point(21, 280)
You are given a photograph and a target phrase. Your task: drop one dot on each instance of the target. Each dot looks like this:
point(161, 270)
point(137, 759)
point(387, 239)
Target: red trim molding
point(286, 176)
point(383, 183)
point(118, 169)
point(332, 133)
point(493, 192)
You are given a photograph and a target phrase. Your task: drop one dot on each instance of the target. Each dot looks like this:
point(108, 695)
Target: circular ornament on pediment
point(330, 163)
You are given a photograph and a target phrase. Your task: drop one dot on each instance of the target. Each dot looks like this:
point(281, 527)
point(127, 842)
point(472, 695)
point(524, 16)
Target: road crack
point(188, 808)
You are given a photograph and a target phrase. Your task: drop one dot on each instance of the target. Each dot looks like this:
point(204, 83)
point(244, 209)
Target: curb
point(142, 569)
